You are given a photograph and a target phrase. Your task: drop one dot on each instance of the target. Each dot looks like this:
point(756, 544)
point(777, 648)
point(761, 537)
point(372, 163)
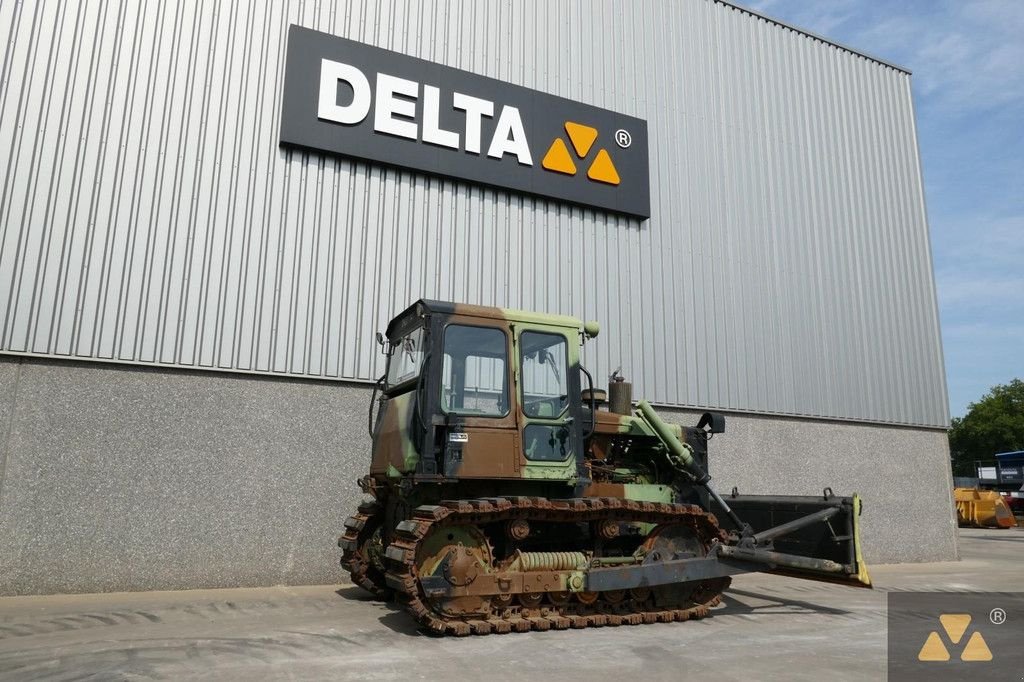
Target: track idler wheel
point(459, 553)
point(680, 541)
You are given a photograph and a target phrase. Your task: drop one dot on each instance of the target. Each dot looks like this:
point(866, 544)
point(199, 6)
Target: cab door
point(549, 420)
point(480, 434)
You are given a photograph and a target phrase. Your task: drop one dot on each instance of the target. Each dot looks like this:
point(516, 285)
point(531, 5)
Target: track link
point(402, 572)
point(359, 528)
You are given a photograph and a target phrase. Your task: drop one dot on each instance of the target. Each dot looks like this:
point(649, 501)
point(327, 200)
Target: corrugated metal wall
point(148, 215)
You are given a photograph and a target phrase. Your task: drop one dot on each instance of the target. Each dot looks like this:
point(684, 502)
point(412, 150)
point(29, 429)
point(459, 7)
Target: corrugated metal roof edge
point(811, 34)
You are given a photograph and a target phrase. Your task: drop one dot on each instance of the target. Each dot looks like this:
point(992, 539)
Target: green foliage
point(993, 424)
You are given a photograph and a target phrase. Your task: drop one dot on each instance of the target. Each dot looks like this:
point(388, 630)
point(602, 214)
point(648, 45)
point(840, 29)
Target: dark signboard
point(349, 98)
point(1008, 472)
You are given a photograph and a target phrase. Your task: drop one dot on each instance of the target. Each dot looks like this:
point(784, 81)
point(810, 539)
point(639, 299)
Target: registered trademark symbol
point(997, 616)
point(623, 138)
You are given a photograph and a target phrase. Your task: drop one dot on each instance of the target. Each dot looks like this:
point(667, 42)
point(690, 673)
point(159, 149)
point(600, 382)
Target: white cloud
point(823, 18)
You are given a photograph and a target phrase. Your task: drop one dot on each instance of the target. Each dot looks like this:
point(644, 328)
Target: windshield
point(406, 358)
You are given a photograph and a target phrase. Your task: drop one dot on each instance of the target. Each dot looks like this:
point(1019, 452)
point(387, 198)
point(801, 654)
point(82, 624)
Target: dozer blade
point(982, 509)
point(817, 538)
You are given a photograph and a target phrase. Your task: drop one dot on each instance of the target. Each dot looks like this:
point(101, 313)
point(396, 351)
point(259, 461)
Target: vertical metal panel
point(148, 215)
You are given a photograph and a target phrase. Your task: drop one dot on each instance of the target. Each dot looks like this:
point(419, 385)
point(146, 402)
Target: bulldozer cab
point(476, 392)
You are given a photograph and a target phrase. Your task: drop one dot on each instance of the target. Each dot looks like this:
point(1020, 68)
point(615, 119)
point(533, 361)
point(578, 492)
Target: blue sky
point(967, 59)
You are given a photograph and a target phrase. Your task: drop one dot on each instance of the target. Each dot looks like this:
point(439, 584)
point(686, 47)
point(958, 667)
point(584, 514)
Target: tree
point(993, 424)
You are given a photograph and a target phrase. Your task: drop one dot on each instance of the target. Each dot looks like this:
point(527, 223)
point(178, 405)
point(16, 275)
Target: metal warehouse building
point(187, 305)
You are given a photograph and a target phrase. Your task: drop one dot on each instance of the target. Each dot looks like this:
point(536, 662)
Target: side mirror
point(591, 329)
point(380, 341)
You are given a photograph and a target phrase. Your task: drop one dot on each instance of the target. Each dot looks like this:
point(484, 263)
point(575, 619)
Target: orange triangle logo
point(603, 170)
point(955, 625)
point(976, 649)
point(557, 159)
point(581, 136)
point(933, 649)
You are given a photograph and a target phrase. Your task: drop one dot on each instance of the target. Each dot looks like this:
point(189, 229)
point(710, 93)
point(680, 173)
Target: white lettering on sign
point(328, 109)
point(475, 109)
point(389, 106)
point(510, 138)
point(395, 112)
point(432, 130)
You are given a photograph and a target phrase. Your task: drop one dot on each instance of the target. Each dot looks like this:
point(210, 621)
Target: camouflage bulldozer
point(511, 494)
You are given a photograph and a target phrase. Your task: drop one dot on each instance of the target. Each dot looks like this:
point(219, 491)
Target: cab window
point(544, 362)
point(406, 359)
point(474, 379)
point(546, 442)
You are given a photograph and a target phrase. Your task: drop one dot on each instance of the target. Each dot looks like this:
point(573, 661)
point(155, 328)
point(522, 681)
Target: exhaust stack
point(620, 394)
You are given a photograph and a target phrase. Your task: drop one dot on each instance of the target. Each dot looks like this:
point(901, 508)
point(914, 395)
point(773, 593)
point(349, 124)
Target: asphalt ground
point(769, 627)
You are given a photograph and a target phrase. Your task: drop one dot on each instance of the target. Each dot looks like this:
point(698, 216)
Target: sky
point(967, 59)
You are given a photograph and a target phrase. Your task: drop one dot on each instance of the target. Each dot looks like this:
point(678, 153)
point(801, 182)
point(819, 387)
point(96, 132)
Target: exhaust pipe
point(620, 394)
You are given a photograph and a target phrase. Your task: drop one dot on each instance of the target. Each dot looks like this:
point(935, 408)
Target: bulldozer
point(507, 493)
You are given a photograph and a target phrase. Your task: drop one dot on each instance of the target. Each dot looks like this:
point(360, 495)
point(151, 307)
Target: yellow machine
point(982, 509)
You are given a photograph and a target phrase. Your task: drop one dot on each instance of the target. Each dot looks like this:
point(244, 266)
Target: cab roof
point(427, 306)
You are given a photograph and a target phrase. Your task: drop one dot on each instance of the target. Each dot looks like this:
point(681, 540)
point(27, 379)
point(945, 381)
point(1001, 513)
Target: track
point(557, 610)
point(358, 530)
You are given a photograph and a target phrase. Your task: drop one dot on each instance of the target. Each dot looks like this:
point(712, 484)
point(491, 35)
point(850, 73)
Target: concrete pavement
point(769, 628)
